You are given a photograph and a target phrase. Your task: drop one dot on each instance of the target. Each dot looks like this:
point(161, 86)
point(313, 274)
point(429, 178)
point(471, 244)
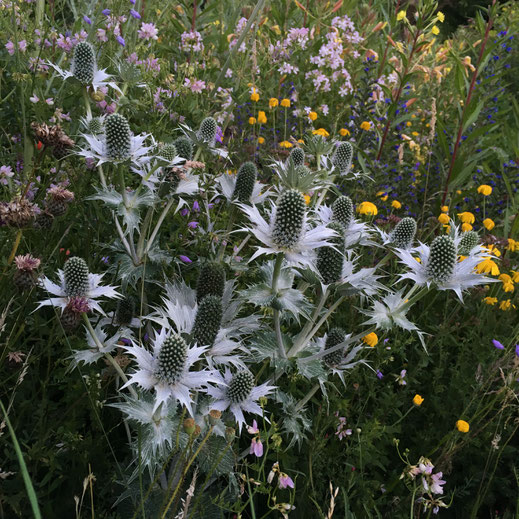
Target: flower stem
point(158, 224)
point(16, 244)
point(277, 320)
point(308, 396)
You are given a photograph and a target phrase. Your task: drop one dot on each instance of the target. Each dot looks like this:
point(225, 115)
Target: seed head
point(75, 274)
point(118, 137)
point(289, 220)
point(245, 180)
point(240, 387)
point(172, 359)
point(442, 259)
point(84, 63)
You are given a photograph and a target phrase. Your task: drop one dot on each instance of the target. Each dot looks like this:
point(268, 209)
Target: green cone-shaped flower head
point(75, 275)
point(168, 151)
point(95, 126)
point(302, 171)
point(172, 359)
point(335, 336)
point(330, 260)
point(84, 63)
point(404, 232)
point(211, 281)
point(125, 311)
point(245, 180)
point(297, 157)
point(468, 241)
point(118, 137)
point(240, 387)
point(343, 156)
point(342, 210)
point(207, 131)
point(289, 220)
point(442, 259)
point(207, 321)
point(184, 147)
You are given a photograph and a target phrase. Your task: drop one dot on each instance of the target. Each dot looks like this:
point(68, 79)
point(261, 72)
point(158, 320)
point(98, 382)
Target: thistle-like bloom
point(440, 265)
point(117, 144)
point(288, 232)
point(243, 186)
point(84, 69)
point(402, 236)
point(76, 282)
point(166, 369)
point(238, 394)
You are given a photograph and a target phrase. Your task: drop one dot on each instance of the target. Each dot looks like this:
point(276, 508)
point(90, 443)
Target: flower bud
point(330, 260)
point(207, 321)
point(75, 275)
point(211, 280)
point(172, 359)
point(342, 210)
point(245, 180)
point(289, 220)
point(84, 63)
point(404, 232)
point(118, 137)
point(335, 336)
point(442, 259)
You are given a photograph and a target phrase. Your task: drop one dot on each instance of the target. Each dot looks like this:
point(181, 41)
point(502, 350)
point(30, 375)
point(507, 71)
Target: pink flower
point(285, 481)
point(148, 31)
point(195, 85)
point(22, 45)
point(101, 35)
point(256, 447)
point(10, 47)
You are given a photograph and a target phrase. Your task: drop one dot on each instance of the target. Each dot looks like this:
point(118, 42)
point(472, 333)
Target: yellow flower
point(344, 132)
point(466, 217)
point(285, 103)
point(512, 245)
point(462, 426)
point(367, 208)
point(485, 190)
point(300, 141)
point(466, 227)
point(262, 118)
point(418, 400)
point(490, 300)
point(445, 208)
point(415, 134)
point(371, 339)
point(440, 16)
point(381, 193)
point(506, 305)
point(515, 276)
point(365, 125)
point(307, 199)
point(254, 96)
point(508, 285)
point(401, 15)
point(395, 204)
point(489, 224)
point(273, 102)
point(435, 30)
point(252, 120)
point(286, 144)
point(321, 131)
point(493, 250)
point(462, 258)
point(312, 116)
point(261, 140)
point(443, 219)
point(409, 123)
point(488, 266)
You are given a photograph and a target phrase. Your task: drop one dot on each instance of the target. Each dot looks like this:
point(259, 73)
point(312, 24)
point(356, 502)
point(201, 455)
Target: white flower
point(94, 291)
point(227, 184)
point(152, 370)
point(302, 253)
point(238, 394)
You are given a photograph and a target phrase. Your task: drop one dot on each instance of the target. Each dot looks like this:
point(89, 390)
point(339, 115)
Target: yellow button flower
point(395, 204)
point(401, 15)
point(273, 102)
point(285, 103)
point(307, 199)
point(490, 300)
point(512, 245)
point(312, 116)
point(515, 276)
point(261, 140)
point(485, 190)
point(286, 144)
point(252, 120)
point(440, 16)
point(435, 30)
point(371, 339)
point(365, 125)
point(489, 224)
point(488, 266)
point(321, 131)
point(466, 227)
point(444, 208)
point(462, 426)
point(443, 219)
point(418, 400)
point(254, 96)
point(367, 208)
point(493, 250)
point(262, 118)
point(466, 217)
point(344, 132)
point(506, 305)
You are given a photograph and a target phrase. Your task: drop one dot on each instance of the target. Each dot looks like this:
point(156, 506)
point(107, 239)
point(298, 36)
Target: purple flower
point(196, 206)
point(192, 225)
point(106, 12)
point(285, 481)
point(497, 345)
point(120, 39)
point(184, 212)
point(135, 14)
point(380, 375)
point(185, 259)
point(87, 20)
point(132, 2)
point(517, 349)
point(256, 447)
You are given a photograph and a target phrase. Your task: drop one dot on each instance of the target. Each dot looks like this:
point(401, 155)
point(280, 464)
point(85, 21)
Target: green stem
point(277, 320)
point(158, 224)
point(308, 396)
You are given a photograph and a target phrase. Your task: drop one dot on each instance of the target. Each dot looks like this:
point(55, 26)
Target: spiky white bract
point(94, 353)
point(356, 233)
point(96, 149)
point(152, 177)
point(224, 398)
point(227, 185)
point(463, 274)
point(94, 292)
point(199, 142)
point(391, 311)
point(301, 253)
point(100, 78)
point(148, 374)
point(363, 280)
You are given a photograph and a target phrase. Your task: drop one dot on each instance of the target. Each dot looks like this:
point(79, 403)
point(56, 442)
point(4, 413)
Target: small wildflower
point(489, 224)
point(285, 103)
point(462, 426)
point(252, 120)
point(261, 140)
point(497, 344)
point(485, 190)
point(401, 16)
point(254, 96)
point(262, 118)
point(321, 131)
point(312, 116)
point(286, 144)
point(440, 16)
point(435, 30)
point(273, 102)
point(395, 204)
point(365, 125)
point(465, 227)
point(444, 219)
point(490, 300)
point(371, 339)
point(488, 266)
point(344, 132)
point(367, 208)
point(467, 217)
point(418, 400)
